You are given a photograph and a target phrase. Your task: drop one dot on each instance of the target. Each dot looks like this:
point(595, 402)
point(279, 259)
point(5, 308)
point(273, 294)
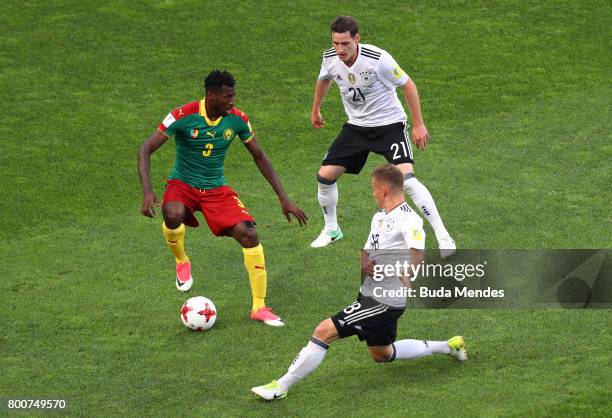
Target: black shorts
point(354, 143)
point(374, 322)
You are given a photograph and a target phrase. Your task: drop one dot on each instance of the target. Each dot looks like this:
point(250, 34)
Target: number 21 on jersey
point(357, 94)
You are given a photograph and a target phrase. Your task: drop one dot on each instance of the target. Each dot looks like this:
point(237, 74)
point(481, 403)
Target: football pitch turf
point(518, 101)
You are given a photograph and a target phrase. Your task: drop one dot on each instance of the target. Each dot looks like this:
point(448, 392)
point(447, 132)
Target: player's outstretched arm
point(149, 200)
point(420, 136)
point(316, 119)
point(265, 166)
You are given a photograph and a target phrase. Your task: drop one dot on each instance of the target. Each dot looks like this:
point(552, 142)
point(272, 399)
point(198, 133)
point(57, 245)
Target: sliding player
point(396, 232)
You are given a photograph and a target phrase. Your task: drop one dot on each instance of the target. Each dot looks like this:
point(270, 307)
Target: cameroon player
point(203, 131)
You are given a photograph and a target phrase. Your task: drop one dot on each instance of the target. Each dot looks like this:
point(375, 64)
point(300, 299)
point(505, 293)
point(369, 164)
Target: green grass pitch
point(517, 98)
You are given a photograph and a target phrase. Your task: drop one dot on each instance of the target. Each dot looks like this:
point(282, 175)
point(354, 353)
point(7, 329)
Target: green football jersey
point(201, 144)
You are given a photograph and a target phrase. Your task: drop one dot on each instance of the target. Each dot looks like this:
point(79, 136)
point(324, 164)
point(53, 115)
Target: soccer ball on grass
point(199, 313)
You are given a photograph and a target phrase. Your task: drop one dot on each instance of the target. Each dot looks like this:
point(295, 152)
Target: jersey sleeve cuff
point(163, 133)
point(404, 80)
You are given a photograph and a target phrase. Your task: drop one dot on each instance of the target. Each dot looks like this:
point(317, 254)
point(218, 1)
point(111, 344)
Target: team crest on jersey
point(366, 76)
point(194, 133)
point(389, 225)
point(351, 78)
point(380, 223)
point(228, 134)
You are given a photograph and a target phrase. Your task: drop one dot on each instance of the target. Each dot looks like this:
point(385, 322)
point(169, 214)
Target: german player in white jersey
point(396, 235)
point(368, 77)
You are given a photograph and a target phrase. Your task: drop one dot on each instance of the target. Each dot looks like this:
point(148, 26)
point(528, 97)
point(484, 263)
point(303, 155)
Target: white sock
point(424, 201)
point(413, 349)
point(307, 360)
point(328, 199)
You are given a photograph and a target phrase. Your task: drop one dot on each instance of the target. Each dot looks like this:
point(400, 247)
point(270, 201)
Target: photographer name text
point(425, 292)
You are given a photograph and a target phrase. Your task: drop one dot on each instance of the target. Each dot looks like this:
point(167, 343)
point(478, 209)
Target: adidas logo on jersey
point(406, 208)
point(338, 77)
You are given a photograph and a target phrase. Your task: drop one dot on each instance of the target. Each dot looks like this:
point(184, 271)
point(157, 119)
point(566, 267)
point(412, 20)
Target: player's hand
point(316, 119)
point(420, 136)
point(149, 202)
point(289, 208)
point(367, 265)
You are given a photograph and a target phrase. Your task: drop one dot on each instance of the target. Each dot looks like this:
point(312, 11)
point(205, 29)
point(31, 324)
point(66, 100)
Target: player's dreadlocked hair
point(217, 79)
point(343, 24)
point(390, 175)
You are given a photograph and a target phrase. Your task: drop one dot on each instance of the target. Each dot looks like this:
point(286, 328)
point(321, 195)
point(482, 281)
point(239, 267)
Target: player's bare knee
point(329, 174)
point(325, 331)
point(406, 169)
point(325, 180)
point(173, 215)
point(382, 354)
point(378, 358)
point(249, 238)
point(321, 332)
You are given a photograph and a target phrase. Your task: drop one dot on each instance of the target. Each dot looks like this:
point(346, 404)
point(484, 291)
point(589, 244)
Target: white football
point(199, 313)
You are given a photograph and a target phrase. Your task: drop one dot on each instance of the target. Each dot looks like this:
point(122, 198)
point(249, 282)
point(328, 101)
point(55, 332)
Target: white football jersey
point(368, 86)
point(391, 235)
point(400, 229)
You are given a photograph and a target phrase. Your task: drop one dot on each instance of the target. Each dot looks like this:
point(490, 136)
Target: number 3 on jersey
point(208, 150)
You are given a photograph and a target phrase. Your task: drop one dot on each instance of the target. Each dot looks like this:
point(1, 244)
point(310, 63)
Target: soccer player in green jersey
point(203, 131)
